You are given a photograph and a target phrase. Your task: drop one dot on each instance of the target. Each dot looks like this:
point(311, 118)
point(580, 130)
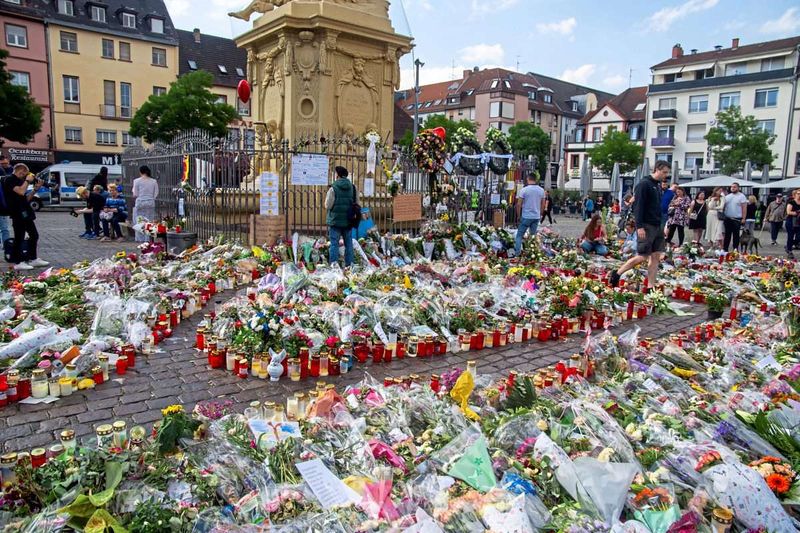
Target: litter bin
point(180, 242)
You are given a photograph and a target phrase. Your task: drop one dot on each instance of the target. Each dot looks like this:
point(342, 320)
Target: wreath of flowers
point(465, 142)
point(497, 143)
point(429, 152)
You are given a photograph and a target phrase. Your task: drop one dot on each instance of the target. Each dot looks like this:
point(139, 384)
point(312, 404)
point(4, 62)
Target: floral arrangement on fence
point(429, 151)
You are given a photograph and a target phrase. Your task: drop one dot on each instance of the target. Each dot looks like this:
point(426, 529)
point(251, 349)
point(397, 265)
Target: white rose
point(606, 455)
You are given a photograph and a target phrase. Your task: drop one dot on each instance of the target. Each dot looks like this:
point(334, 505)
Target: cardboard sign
point(407, 207)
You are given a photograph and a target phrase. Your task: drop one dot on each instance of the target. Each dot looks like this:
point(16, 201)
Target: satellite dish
point(712, 122)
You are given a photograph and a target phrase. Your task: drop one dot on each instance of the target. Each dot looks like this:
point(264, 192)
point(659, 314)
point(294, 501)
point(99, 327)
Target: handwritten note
point(329, 489)
point(407, 207)
point(310, 169)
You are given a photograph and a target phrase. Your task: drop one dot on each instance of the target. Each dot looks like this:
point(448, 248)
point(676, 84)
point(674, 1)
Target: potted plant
point(716, 302)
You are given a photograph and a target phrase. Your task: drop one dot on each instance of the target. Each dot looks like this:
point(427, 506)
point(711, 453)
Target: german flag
point(185, 169)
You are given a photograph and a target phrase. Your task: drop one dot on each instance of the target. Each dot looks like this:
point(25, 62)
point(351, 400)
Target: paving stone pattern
point(178, 373)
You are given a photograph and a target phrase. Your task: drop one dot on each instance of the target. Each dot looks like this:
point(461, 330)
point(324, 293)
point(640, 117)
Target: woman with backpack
point(344, 214)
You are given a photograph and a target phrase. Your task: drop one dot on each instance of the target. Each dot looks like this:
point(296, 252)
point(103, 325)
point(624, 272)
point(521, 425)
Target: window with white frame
point(766, 125)
point(501, 109)
point(597, 133)
point(667, 103)
point(698, 103)
point(665, 132)
point(693, 160)
point(664, 157)
point(125, 100)
point(766, 98)
point(736, 69)
point(128, 20)
point(16, 36)
point(72, 92)
point(130, 140)
point(68, 41)
point(158, 91)
point(98, 13)
point(106, 137)
point(773, 63)
point(66, 7)
point(73, 135)
point(727, 100)
point(156, 25)
point(695, 133)
point(160, 57)
point(548, 98)
point(21, 79)
point(495, 83)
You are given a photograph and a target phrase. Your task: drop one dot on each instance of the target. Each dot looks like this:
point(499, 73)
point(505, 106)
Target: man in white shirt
point(530, 204)
point(735, 211)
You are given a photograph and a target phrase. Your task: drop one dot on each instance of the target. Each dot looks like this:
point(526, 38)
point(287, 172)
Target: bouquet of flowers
point(780, 477)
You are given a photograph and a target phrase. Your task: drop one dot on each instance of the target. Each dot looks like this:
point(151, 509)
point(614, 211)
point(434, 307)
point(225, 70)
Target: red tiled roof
point(428, 93)
point(731, 53)
point(624, 104)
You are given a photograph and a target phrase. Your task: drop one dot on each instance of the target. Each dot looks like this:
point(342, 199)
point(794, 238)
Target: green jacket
point(337, 215)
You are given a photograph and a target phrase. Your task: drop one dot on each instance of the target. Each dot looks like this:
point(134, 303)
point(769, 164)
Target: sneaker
point(615, 277)
point(773, 244)
point(23, 266)
point(39, 263)
point(83, 235)
point(91, 237)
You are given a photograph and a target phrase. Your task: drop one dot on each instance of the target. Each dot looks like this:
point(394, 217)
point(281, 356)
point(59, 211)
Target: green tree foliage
point(20, 116)
point(435, 121)
point(528, 139)
point(187, 105)
point(737, 138)
point(616, 147)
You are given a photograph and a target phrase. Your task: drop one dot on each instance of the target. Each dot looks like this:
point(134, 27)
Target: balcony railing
point(721, 81)
point(662, 142)
point(665, 114)
point(117, 112)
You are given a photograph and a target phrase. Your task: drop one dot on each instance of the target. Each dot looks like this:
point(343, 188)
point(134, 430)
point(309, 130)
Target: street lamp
point(417, 65)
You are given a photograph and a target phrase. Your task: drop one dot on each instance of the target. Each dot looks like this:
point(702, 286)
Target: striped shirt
point(117, 203)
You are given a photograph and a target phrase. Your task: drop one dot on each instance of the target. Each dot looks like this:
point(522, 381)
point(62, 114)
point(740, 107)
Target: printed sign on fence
point(310, 169)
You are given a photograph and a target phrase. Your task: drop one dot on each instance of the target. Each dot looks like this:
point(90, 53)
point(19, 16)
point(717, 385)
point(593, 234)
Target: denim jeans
point(525, 224)
point(5, 230)
point(596, 247)
point(334, 234)
point(92, 223)
point(774, 229)
point(792, 234)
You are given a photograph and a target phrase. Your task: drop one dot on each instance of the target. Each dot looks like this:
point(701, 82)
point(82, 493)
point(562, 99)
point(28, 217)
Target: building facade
point(106, 59)
point(24, 37)
point(500, 98)
point(688, 90)
point(625, 112)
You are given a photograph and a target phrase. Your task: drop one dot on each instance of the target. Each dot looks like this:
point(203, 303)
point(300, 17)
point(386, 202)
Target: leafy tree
point(529, 139)
point(616, 147)
point(20, 115)
point(188, 104)
point(434, 121)
point(737, 138)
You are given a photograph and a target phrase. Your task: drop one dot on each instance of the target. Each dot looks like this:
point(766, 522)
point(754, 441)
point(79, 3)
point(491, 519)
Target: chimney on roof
point(466, 74)
point(196, 33)
point(677, 51)
point(735, 43)
point(694, 51)
point(718, 47)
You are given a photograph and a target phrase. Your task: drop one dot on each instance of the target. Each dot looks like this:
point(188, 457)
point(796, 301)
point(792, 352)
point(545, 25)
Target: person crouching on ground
point(114, 213)
point(629, 244)
point(95, 203)
point(594, 236)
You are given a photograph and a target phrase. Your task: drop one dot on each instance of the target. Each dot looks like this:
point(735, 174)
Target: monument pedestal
point(324, 66)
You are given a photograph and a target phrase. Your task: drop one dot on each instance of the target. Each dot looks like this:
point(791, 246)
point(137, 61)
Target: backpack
point(354, 213)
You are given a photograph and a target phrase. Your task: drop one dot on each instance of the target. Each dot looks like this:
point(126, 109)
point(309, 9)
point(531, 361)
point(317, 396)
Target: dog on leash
point(749, 242)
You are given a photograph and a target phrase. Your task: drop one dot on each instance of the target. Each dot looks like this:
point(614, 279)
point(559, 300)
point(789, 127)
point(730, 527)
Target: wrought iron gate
point(213, 184)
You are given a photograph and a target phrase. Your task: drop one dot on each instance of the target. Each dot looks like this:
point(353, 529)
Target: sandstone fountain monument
point(327, 66)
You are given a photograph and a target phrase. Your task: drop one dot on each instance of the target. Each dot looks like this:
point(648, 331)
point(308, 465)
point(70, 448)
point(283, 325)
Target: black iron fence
point(214, 184)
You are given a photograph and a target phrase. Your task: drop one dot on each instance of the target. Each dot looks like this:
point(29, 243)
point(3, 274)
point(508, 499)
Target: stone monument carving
point(322, 65)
